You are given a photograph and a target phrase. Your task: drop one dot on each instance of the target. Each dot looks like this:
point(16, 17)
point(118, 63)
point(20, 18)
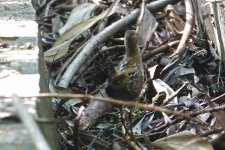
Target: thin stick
point(76, 128)
point(175, 94)
point(207, 110)
point(116, 102)
point(187, 28)
point(141, 15)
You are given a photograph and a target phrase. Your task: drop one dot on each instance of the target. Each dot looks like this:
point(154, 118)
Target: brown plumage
point(128, 78)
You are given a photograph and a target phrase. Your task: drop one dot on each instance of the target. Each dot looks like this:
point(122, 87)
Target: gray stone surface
point(16, 10)
point(18, 69)
point(17, 20)
point(15, 137)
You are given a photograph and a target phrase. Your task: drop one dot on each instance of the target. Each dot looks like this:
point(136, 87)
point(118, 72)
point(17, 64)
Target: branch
point(187, 28)
point(207, 110)
point(113, 101)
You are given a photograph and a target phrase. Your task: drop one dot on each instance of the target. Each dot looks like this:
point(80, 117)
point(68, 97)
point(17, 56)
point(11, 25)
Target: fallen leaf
point(182, 141)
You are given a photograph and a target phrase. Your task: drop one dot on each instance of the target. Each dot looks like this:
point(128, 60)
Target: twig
point(218, 97)
point(48, 7)
point(76, 128)
point(219, 115)
point(113, 48)
point(187, 28)
point(141, 15)
point(116, 102)
point(218, 34)
point(175, 94)
point(32, 127)
point(159, 50)
point(160, 4)
point(207, 110)
point(212, 131)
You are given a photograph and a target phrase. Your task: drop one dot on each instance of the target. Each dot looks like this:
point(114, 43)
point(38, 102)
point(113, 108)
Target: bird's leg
point(131, 126)
point(129, 133)
point(123, 121)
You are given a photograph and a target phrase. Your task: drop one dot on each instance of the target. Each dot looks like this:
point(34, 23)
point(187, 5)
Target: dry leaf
point(182, 141)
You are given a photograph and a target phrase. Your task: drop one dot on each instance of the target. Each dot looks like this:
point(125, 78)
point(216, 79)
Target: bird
point(125, 81)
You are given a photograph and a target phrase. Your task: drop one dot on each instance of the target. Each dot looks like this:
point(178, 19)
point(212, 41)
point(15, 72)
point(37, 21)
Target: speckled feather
point(127, 82)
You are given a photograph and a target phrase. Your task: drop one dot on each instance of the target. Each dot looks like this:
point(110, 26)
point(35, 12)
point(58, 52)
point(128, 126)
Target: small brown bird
point(127, 79)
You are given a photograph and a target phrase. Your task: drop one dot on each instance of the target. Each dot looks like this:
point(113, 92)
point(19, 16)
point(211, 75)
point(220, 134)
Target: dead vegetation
point(161, 89)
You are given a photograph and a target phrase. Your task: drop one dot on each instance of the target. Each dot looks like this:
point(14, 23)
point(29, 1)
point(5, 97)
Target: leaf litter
point(183, 74)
